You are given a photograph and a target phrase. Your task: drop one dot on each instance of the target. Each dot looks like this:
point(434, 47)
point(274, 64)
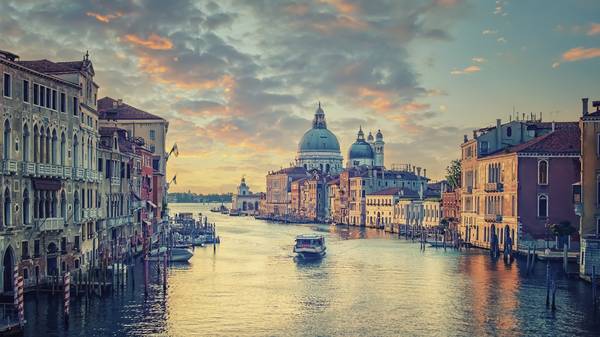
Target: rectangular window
point(63, 102)
point(25, 91)
point(36, 248)
point(63, 244)
point(100, 164)
point(36, 94)
point(48, 98)
point(53, 99)
point(25, 249)
point(152, 134)
point(598, 190)
point(76, 242)
point(42, 96)
point(7, 85)
point(152, 148)
point(75, 106)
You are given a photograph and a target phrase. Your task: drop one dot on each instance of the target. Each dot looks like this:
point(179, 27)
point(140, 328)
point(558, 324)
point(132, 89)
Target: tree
point(562, 229)
point(453, 174)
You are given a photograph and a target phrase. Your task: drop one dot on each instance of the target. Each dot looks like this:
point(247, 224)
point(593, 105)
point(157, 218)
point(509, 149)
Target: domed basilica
point(320, 149)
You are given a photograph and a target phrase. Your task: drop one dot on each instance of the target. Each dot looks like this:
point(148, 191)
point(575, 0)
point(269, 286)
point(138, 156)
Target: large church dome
point(319, 148)
point(315, 140)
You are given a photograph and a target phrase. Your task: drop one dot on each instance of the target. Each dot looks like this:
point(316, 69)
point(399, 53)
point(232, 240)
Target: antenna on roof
point(86, 57)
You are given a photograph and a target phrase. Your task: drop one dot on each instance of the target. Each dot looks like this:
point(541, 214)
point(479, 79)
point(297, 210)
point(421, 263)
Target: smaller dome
point(379, 135)
point(360, 149)
point(370, 137)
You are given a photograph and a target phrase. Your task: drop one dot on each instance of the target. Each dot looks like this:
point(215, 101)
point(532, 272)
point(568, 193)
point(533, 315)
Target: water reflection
point(370, 283)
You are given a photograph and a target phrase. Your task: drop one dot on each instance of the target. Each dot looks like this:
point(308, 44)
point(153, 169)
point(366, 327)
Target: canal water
point(370, 284)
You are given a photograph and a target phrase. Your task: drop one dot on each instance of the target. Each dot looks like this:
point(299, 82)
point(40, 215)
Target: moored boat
point(175, 254)
point(310, 246)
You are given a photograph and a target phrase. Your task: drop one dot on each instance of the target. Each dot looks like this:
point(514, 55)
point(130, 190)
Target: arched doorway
point(8, 270)
point(52, 267)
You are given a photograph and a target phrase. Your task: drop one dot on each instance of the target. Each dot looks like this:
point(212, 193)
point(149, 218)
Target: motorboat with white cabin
point(310, 246)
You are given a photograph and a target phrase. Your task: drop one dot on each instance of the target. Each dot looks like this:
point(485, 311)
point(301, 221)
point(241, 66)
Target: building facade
point(588, 205)
point(512, 195)
point(244, 201)
point(49, 179)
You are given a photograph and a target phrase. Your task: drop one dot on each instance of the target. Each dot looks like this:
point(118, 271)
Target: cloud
point(594, 29)
point(580, 53)
point(555, 65)
point(501, 39)
point(106, 18)
point(489, 32)
point(152, 42)
point(467, 70)
point(478, 59)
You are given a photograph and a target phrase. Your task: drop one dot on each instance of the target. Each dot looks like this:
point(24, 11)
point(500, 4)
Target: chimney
point(114, 104)
point(540, 116)
point(425, 172)
point(418, 171)
point(553, 126)
point(119, 102)
point(465, 138)
point(584, 104)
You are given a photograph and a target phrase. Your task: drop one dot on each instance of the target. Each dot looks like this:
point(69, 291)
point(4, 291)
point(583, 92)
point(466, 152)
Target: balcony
point(493, 187)
point(28, 169)
point(50, 224)
point(116, 181)
point(9, 166)
point(91, 176)
point(467, 190)
point(67, 172)
point(493, 218)
point(78, 173)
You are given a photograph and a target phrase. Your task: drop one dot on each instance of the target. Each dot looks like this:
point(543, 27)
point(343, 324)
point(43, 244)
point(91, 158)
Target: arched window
point(48, 141)
point(62, 148)
point(76, 212)
point(63, 205)
point(7, 208)
point(543, 172)
point(25, 143)
point(509, 132)
point(7, 134)
point(25, 207)
point(54, 147)
point(542, 206)
point(75, 151)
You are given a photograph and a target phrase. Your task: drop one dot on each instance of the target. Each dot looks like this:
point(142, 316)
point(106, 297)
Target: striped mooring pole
point(67, 294)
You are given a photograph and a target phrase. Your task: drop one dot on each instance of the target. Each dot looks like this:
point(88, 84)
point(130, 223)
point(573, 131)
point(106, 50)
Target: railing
point(493, 217)
point(115, 181)
point(78, 173)
point(493, 187)
point(468, 190)
point(67, 172)
point(9, 166)
point(28, 169)
point(50, 224)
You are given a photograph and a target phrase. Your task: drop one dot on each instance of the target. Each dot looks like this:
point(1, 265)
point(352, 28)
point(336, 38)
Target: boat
point(176, 254)
point(310, 246)
point(234, 212)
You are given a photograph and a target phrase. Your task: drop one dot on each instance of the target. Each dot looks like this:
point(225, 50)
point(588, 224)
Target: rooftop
point(112, 109)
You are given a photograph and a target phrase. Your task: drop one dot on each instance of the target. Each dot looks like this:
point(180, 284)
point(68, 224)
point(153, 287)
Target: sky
point(239, 81)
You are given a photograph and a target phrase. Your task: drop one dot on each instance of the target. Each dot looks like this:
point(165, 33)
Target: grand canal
point(370, 284)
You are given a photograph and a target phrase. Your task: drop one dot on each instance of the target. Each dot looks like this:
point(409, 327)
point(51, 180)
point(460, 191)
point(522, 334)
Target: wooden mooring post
point(594, 287)
point(547, 283)
point(565, 259)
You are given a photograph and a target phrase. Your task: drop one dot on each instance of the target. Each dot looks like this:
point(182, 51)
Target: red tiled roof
point(561, 141)
point(109, 108)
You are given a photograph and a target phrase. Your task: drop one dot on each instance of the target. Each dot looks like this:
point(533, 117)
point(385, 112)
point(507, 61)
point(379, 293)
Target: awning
point(151, 204)
point(47, 184)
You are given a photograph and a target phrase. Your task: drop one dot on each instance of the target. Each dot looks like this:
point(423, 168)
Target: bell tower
point(378, 146)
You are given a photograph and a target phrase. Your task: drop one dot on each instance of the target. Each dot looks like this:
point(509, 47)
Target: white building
point(244, 201)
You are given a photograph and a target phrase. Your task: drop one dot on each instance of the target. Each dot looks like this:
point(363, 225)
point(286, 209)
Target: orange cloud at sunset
point(341, 6)
point(153, 42)
point(467, 70)
point(580, 53)
point(106, 18)
point(594, 29)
